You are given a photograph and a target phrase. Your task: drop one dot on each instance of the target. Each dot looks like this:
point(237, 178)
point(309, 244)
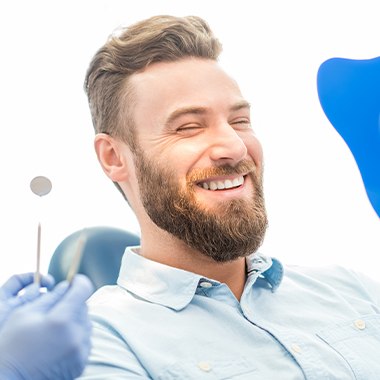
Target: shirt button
point(205, 284)
point(296, 348)
point(204, 366)
point(359, 324)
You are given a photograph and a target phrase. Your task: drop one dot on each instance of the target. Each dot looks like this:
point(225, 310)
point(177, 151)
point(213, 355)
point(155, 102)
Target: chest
point(210, 339)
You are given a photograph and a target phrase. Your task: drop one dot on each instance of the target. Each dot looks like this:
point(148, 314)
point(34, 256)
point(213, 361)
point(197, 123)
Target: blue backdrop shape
point(349, 93)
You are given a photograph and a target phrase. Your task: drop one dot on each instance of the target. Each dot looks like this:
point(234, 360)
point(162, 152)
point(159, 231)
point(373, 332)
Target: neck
point(162, 247)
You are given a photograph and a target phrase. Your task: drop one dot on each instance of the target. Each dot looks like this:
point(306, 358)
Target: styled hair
point(157, 39)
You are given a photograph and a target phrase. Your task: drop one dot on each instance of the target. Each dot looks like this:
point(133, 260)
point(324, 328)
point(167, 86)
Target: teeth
point(213, 186)
point(221, 185)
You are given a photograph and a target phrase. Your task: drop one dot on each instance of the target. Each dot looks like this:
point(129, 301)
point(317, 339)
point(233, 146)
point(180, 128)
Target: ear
point(112, 157)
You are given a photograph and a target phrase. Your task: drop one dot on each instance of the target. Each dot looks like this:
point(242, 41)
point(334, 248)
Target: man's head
point(174, 132)
point(131, 50)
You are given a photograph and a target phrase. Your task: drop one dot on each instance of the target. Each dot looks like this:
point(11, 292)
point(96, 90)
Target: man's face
point(198, 162)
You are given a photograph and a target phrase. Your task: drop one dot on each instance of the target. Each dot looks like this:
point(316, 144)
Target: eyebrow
point(184, 111)
point(201, 110)
point(240, 105)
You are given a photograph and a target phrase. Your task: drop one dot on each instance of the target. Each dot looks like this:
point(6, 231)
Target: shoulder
point(106, 295)
point(112, 300)
point(108, 308)
point(340, 278)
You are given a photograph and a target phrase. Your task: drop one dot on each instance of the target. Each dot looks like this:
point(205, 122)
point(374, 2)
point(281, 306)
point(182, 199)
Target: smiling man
point(196, 300)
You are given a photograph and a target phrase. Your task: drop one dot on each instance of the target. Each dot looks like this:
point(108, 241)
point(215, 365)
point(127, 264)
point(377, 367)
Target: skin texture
point(190, 129)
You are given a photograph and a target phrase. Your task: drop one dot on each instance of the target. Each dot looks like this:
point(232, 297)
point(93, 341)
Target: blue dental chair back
point(103, 249)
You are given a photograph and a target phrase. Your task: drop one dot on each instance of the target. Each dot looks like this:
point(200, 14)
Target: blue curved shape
point(349, 93)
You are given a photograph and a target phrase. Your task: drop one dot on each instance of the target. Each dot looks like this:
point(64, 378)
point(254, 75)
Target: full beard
point(233, 229)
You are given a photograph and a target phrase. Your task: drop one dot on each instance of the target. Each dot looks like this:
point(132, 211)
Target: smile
point(222, 184)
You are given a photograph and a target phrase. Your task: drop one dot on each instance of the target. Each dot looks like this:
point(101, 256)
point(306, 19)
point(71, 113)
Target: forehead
point(164, 87)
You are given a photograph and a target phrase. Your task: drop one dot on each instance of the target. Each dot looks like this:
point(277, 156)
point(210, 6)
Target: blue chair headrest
point(102, 253)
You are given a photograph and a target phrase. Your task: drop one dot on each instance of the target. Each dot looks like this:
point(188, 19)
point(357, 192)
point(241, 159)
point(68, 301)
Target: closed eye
point(189, 129)
point(241, 123)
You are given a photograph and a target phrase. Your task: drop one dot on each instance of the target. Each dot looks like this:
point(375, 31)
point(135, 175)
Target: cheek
point(255, 151)
point(182, 158)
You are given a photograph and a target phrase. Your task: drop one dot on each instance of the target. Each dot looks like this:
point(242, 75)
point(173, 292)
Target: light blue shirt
point(291, 323)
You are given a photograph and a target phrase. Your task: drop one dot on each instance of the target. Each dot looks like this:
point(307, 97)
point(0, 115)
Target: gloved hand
point(9, 297)
point(48, 338)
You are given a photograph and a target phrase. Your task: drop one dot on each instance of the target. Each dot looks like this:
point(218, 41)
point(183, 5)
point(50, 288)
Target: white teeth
point(220, 185)
point(228, 184)
point(213, 186)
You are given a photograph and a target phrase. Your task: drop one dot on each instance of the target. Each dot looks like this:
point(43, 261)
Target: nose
point(226, 145)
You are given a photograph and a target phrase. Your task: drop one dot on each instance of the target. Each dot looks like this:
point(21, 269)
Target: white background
point(318, 209)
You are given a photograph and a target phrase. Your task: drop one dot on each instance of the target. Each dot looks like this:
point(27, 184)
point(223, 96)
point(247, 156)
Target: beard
point(232, 229)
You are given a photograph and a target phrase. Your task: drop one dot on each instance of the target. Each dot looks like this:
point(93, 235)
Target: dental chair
point(103, 248)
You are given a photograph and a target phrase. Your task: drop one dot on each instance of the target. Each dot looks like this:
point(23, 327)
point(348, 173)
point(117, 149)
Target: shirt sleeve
point(111, 358)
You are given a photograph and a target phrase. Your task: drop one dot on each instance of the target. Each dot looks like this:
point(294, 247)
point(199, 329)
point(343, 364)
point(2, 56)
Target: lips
point(226, 184)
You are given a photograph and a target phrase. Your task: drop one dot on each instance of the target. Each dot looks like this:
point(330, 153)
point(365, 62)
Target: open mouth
point(222, 184)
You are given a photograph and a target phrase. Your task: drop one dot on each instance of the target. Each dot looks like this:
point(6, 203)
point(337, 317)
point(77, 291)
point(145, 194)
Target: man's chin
point(222, 207)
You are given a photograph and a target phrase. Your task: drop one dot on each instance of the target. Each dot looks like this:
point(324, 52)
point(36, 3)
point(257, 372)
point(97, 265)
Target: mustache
point(241, 168)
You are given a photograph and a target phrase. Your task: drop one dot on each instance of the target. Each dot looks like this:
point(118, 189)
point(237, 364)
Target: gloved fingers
point(75, 297)
point(20, 281)
point(31, 292)
point(15, 283)
point(47, 301)
point(81, 288)
point(28, 294)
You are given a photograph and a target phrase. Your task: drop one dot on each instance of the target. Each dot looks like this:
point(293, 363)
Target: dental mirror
point(40, 186)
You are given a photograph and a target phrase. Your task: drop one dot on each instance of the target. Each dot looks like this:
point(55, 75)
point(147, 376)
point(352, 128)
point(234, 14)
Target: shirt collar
point(175, 288)
point(268, 268)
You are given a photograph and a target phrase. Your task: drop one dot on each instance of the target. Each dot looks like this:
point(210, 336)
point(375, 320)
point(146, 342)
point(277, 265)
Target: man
point(196, 300)
point(44, 336)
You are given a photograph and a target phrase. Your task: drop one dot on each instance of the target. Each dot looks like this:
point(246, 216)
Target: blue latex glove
point(9, 297)
point(48, 338)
